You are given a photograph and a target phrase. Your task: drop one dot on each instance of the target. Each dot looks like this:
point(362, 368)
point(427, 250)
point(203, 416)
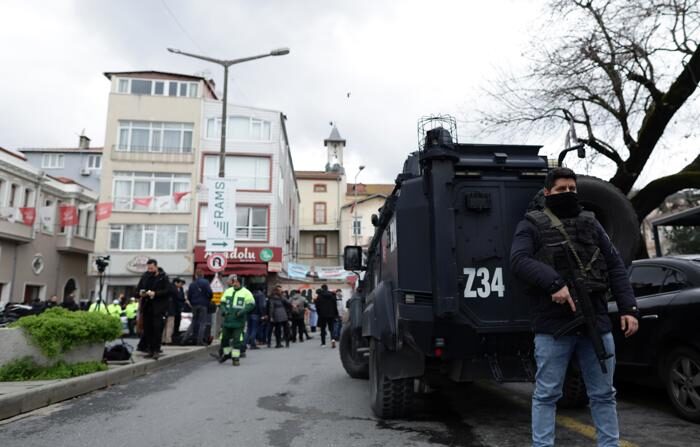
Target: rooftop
point(318, 175)
point(369, 189)
point(163, 74)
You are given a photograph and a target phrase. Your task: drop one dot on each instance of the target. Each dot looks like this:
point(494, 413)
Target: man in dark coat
point(154, 291)
point(199, 294)
point(546, 245)
point(178, 304)
point(327, 313)
point(278, 310)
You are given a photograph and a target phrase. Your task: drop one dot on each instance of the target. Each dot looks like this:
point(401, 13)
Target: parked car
point(666, 349)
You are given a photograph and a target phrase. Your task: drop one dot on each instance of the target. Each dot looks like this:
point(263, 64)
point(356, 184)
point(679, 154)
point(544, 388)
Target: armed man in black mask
point(564, 255)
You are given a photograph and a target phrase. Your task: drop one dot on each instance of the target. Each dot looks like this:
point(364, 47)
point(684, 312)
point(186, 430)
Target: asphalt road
point(302, 397)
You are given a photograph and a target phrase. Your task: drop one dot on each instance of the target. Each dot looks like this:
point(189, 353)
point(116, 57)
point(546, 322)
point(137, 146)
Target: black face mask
point(564, 204)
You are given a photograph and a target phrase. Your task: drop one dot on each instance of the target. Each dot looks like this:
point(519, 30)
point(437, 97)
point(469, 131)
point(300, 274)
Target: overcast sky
point(399, 60)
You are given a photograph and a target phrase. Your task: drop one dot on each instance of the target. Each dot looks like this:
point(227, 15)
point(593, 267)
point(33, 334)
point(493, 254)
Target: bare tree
point(621, 70)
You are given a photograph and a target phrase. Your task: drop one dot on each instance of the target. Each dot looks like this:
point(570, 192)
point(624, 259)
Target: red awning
point(242, 269)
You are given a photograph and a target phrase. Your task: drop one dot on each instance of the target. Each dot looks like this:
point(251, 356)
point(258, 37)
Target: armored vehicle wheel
point(390, 398)
point(612, 209)
point(574, 390)
point(355, 363)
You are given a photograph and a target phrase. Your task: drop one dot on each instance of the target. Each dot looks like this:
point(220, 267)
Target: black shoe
point(278, 346)
point(223, 358)
point(269, 345)
point(242, 355)
point(301, 340)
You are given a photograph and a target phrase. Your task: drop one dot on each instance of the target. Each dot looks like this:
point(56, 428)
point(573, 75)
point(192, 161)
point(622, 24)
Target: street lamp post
point(354, 218)
point(227, 63)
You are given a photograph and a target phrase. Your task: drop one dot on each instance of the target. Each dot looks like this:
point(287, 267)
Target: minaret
point(335, 145)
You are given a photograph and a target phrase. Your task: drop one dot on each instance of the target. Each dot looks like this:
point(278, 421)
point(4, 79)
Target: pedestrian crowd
point(249, 317)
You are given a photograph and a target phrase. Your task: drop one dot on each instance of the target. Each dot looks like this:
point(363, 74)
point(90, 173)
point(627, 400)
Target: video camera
point(101, 262)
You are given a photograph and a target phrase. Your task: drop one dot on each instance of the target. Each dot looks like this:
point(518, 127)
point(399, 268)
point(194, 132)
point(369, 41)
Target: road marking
point(567, 422)
point(585, 430)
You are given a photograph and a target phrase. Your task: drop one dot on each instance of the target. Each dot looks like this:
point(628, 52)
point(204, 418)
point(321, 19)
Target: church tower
point(334, 146)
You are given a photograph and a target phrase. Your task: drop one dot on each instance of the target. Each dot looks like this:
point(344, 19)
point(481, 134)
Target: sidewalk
point(21, 397)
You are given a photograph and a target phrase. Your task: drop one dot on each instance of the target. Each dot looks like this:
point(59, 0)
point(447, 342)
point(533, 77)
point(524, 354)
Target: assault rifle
point(585, 313)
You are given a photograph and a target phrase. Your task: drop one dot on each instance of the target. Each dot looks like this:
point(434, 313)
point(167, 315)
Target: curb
point(25, 401)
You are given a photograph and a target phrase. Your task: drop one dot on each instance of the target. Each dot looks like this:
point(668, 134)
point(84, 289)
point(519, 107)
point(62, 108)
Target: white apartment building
point(40, 257)
point(267, 198)
point(149, 166)
point(162, 139)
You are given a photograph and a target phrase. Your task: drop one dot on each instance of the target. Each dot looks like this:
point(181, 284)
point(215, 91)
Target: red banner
point(177, 196)
point(143, 201)
point(69, 215)
point(103, 211)
point(28, 215)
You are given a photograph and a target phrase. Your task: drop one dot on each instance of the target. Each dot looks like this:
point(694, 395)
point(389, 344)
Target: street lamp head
point(362, 167)
point(174, 50)
point(279, 51)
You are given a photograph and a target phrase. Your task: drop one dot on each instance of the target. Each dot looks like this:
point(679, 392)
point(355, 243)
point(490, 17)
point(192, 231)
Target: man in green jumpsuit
point(235, 304)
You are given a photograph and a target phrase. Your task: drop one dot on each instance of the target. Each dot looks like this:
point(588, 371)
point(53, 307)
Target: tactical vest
point(582, 234)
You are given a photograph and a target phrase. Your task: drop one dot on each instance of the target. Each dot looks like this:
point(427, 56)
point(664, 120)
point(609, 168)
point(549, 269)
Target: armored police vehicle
point(436, 299)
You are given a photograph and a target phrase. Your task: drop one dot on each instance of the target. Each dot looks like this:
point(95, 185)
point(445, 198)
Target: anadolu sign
point(243, 254)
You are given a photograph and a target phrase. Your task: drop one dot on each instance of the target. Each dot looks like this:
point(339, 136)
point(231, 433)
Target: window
point(320, 188)
point(28, 197)
point(157, 88)
point(13, 199)
point(123, 86)
point(674, 281)
point(240, 128)
point(357, 226)
point(3, 185)
point(647, 280)
point(141, 87)
point(148, 237)
point(319, 212)
point(52, 161)
point(158, 186)
point(152, 136)
point(251, 223)
point(82, 229)
point(251, 173)
point(94, 162)
point(320, 246)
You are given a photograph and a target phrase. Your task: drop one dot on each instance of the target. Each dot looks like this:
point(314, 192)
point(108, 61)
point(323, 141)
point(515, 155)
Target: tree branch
point(649, 197)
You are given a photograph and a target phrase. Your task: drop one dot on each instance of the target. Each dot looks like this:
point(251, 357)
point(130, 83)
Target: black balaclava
point(564, 204)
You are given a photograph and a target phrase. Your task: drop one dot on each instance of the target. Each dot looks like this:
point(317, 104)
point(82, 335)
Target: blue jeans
point(200, 319)
point(552, 357)
point(252, 329)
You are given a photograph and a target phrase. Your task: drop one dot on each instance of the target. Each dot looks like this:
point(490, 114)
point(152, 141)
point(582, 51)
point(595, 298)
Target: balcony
point(141, 155)
point(75, 244)
point(15, 231)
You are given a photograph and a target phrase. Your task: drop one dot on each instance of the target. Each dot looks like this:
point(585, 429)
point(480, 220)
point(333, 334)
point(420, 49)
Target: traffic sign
point(221, 216)
point(216, 284)
point(217, 262)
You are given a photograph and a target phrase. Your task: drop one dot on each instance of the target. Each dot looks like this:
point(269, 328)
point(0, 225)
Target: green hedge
point(25, 369)
point(58, 330)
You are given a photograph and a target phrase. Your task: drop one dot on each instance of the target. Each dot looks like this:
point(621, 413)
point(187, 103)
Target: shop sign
point(137, 264)
point(242, 254)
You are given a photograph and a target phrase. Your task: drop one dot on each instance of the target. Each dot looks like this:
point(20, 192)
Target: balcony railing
point(164, 204)
point(15, 231)
point(167, 155)
point(75, 244)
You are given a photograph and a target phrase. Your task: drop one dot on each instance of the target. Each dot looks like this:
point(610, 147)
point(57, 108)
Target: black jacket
point(161, 285)
point(260, 304)
point(541, 279)
point(326, 305)
point(278, 309)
